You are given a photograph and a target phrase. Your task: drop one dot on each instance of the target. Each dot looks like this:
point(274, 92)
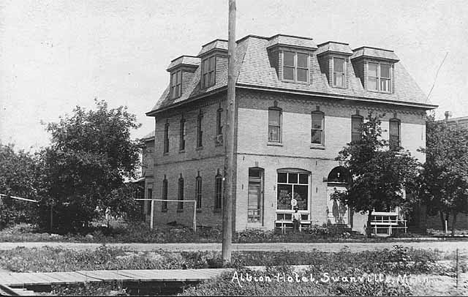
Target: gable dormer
point(333, 58)
point(291, 57)
point(213, 57)
point(181, 70)
point(375, 68)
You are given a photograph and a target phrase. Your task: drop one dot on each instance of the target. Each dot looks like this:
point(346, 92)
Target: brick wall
point(253, 150)
point(296, 151)
point(206, 162)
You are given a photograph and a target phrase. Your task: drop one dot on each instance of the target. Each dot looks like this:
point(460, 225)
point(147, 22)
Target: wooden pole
point(152, 215)
point(457, 266)
point(230, 137)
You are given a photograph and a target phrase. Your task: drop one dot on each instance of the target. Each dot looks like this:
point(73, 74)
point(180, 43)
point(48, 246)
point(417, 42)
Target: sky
point(55, 55)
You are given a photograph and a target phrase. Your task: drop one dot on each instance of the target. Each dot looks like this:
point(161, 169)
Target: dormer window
point(379, 77)
point(208, 72)
point(339, 72)
point(374, 67)
point(295, 66)
point(176, 84)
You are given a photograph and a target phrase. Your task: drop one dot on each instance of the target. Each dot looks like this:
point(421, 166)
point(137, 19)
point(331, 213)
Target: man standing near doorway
point(296, 219)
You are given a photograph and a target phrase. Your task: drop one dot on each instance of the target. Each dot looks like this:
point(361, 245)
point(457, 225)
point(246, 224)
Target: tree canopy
point(18, 177)
point(379, 175)
point(444, 181)
point(90, 159)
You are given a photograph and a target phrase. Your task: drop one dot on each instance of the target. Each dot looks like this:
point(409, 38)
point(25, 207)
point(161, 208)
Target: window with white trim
point(295, 66)
point(356, 132)
point(274, 125)
point(293, 188)
point(317, 131)
point(339, 72)
point(379, 77)
point(176, 84)
point(208, 75)
point(394, 134)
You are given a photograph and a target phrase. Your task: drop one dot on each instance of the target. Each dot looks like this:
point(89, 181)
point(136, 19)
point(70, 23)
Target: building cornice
point(425, 106)
point(387, 102)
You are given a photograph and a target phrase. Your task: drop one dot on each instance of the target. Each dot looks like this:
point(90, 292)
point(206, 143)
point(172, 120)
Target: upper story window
point(208, 72)
point(317, 131)
point(166, 138)
point(295, 66)
point(356, 132)
point(394, 134)
point(339, 72)
point(219, 121)
point(274, 125)
point(176, 84)
point(199, 130)
point(379, 77)
point(182, 133)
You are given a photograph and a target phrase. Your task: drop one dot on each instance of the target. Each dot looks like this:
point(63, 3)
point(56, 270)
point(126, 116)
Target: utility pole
point(230, 137)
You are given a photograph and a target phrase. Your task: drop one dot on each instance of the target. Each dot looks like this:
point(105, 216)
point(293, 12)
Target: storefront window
point(293, 190)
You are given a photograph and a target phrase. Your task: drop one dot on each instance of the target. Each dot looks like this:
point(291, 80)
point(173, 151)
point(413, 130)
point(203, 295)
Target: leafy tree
point(378, 175)
point(444, 181)
point(18, 177)
point(87, 165)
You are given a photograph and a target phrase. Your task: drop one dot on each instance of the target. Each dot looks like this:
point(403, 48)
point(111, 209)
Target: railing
point(387, 222)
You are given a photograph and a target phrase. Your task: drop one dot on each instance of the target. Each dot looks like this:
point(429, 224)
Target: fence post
point(456, 265)
point(195, 216)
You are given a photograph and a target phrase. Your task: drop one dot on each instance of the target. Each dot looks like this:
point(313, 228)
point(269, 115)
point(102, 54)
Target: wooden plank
point(105, 275)
point(10, 279)
point(56, 278)
point(77, 277)
point(47, 278)
point(63, 277)
point(24, 278)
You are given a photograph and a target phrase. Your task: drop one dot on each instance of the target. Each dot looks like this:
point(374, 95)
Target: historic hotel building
point(299, 104)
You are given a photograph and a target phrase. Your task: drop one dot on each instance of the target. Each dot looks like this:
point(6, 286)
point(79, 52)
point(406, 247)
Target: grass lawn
point(140, 233)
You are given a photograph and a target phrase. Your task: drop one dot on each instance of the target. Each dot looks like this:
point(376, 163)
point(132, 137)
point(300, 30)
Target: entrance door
point(337, 212)
point(255, 196)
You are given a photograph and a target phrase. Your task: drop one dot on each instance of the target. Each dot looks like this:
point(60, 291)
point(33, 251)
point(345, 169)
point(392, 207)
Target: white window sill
point(317, 146)
point(274, 144)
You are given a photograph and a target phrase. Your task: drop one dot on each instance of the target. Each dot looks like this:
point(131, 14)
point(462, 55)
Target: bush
point(15, 211)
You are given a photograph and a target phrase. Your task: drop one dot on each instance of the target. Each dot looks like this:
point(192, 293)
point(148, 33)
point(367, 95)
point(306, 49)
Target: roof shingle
point(255, 70)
